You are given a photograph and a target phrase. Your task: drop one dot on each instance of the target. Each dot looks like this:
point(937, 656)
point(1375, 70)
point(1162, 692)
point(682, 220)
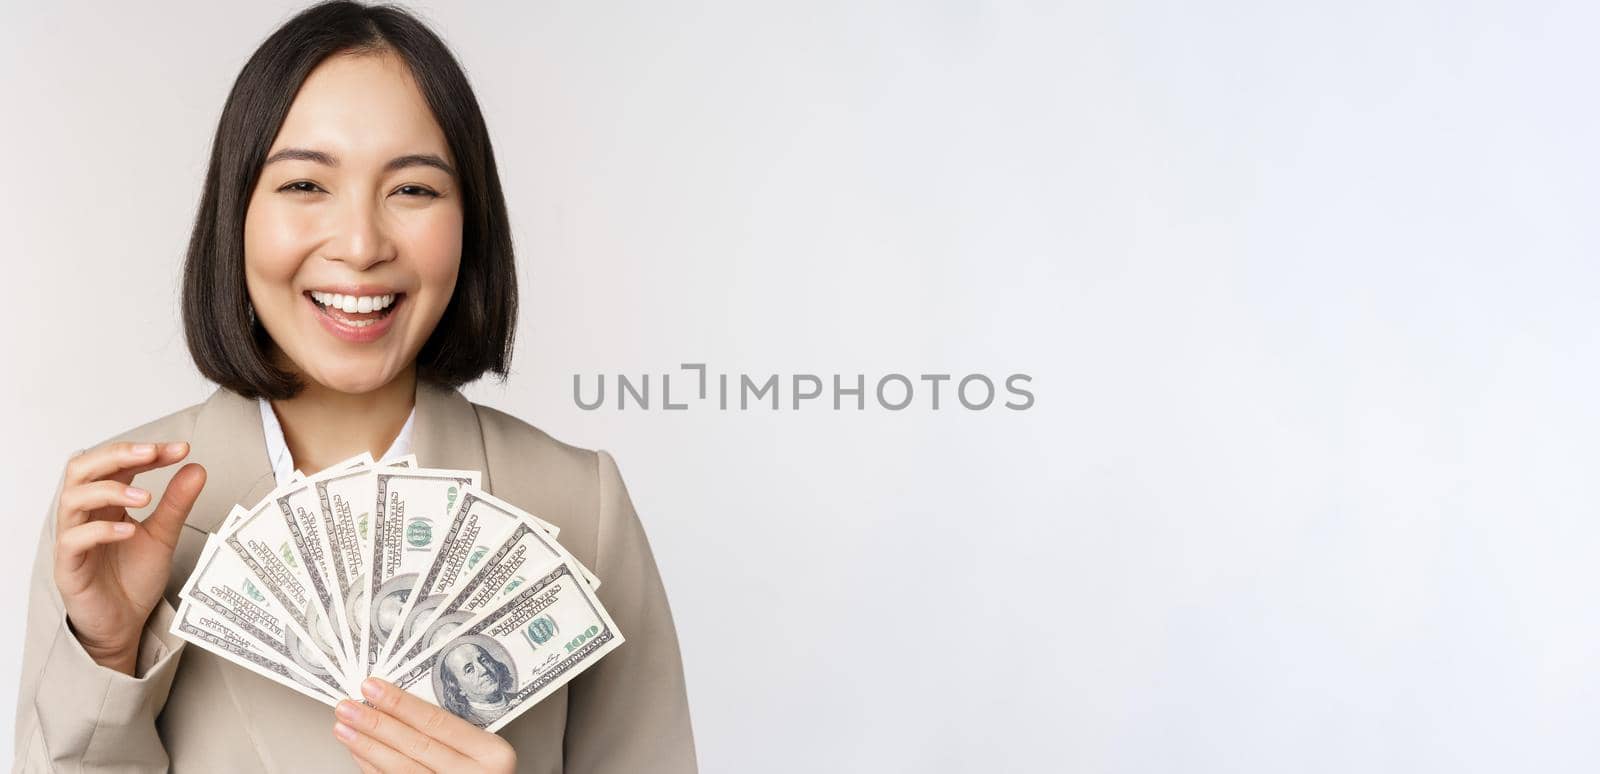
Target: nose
point(360, 238)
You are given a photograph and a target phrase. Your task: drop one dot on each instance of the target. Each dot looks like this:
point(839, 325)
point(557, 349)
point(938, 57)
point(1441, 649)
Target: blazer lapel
point(446, 432)
point(228, 440)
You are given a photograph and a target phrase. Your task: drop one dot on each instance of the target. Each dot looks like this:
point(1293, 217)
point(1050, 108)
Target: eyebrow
point(329, 160)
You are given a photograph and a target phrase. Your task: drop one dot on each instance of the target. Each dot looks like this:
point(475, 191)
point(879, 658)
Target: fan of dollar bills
point(411, 574)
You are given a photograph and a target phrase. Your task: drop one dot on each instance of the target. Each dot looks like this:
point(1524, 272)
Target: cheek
point(274, 246)
point(435, 247)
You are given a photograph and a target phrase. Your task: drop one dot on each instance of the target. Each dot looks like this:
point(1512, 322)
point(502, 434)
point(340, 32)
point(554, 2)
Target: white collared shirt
point(278, 449)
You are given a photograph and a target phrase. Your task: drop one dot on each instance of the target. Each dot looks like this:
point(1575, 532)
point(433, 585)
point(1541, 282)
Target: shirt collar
point(282, 463)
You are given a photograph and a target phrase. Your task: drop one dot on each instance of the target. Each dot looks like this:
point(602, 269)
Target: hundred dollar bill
point(346, 500)
point(513, 655)
point(302, 512)
point(266, 540)
point(206, 629)
point(223, 584)
point(411, 509)
point(525, 553)
point(477, 527)
point(465, 539)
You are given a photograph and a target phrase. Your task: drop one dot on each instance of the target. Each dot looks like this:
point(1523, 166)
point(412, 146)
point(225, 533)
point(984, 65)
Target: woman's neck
point(323, 426)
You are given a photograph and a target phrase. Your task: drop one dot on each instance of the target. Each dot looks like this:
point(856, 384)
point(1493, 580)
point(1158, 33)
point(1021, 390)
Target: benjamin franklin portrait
point(355, 598)
point(389, 603)
point(421, 611)
point(304, 652)
point(474, 679)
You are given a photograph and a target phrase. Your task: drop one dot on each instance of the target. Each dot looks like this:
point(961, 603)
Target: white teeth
point(353, 304)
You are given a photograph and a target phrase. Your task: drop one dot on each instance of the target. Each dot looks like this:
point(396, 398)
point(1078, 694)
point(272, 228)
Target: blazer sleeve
point(74, 714)
point(630, 711)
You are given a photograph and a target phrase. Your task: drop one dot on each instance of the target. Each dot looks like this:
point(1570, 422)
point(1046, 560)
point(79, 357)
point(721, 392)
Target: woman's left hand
point(402, 733)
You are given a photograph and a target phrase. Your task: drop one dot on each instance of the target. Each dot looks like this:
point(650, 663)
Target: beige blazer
point(189, 710)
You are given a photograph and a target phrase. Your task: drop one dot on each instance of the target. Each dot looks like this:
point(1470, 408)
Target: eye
point(301, 186)
point(417, 190)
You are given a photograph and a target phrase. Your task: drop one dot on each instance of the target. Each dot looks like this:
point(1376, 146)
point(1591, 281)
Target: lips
point(355, 317)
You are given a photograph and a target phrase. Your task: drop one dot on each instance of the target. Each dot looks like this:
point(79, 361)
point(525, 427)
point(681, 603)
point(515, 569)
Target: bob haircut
point(475, 333)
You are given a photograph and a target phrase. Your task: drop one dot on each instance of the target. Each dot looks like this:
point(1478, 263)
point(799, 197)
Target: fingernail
point(143, 448)
point(135, 493)
point(175, 447)
point(343, 731)
point(348, 710)
point(371, 688)
point(122, 528)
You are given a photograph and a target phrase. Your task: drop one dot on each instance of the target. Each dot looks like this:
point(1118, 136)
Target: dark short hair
point(475, 333)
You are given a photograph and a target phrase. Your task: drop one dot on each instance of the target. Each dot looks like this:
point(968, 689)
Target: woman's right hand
point(111, 569)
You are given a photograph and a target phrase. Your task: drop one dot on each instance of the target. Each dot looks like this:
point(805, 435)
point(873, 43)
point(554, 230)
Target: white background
point(1305, 289)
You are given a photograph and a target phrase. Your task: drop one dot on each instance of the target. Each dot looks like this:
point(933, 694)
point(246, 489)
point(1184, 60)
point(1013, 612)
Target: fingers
point(376, 754)
point(166, 521)
point(403, 739)
point(366, 768)
point(474, 742)
point(77, 501)
point(124, 458)
point(73, 545)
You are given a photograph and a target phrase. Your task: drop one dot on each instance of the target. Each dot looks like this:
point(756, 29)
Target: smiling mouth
point(355, 311)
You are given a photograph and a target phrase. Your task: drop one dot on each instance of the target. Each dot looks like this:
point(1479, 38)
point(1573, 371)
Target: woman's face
point(353, 232)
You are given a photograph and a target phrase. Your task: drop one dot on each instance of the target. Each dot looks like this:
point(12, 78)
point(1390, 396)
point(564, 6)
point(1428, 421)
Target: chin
point(352, 380)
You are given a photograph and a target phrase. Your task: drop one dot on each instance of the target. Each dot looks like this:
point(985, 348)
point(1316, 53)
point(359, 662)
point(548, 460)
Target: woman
point(350, 266)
